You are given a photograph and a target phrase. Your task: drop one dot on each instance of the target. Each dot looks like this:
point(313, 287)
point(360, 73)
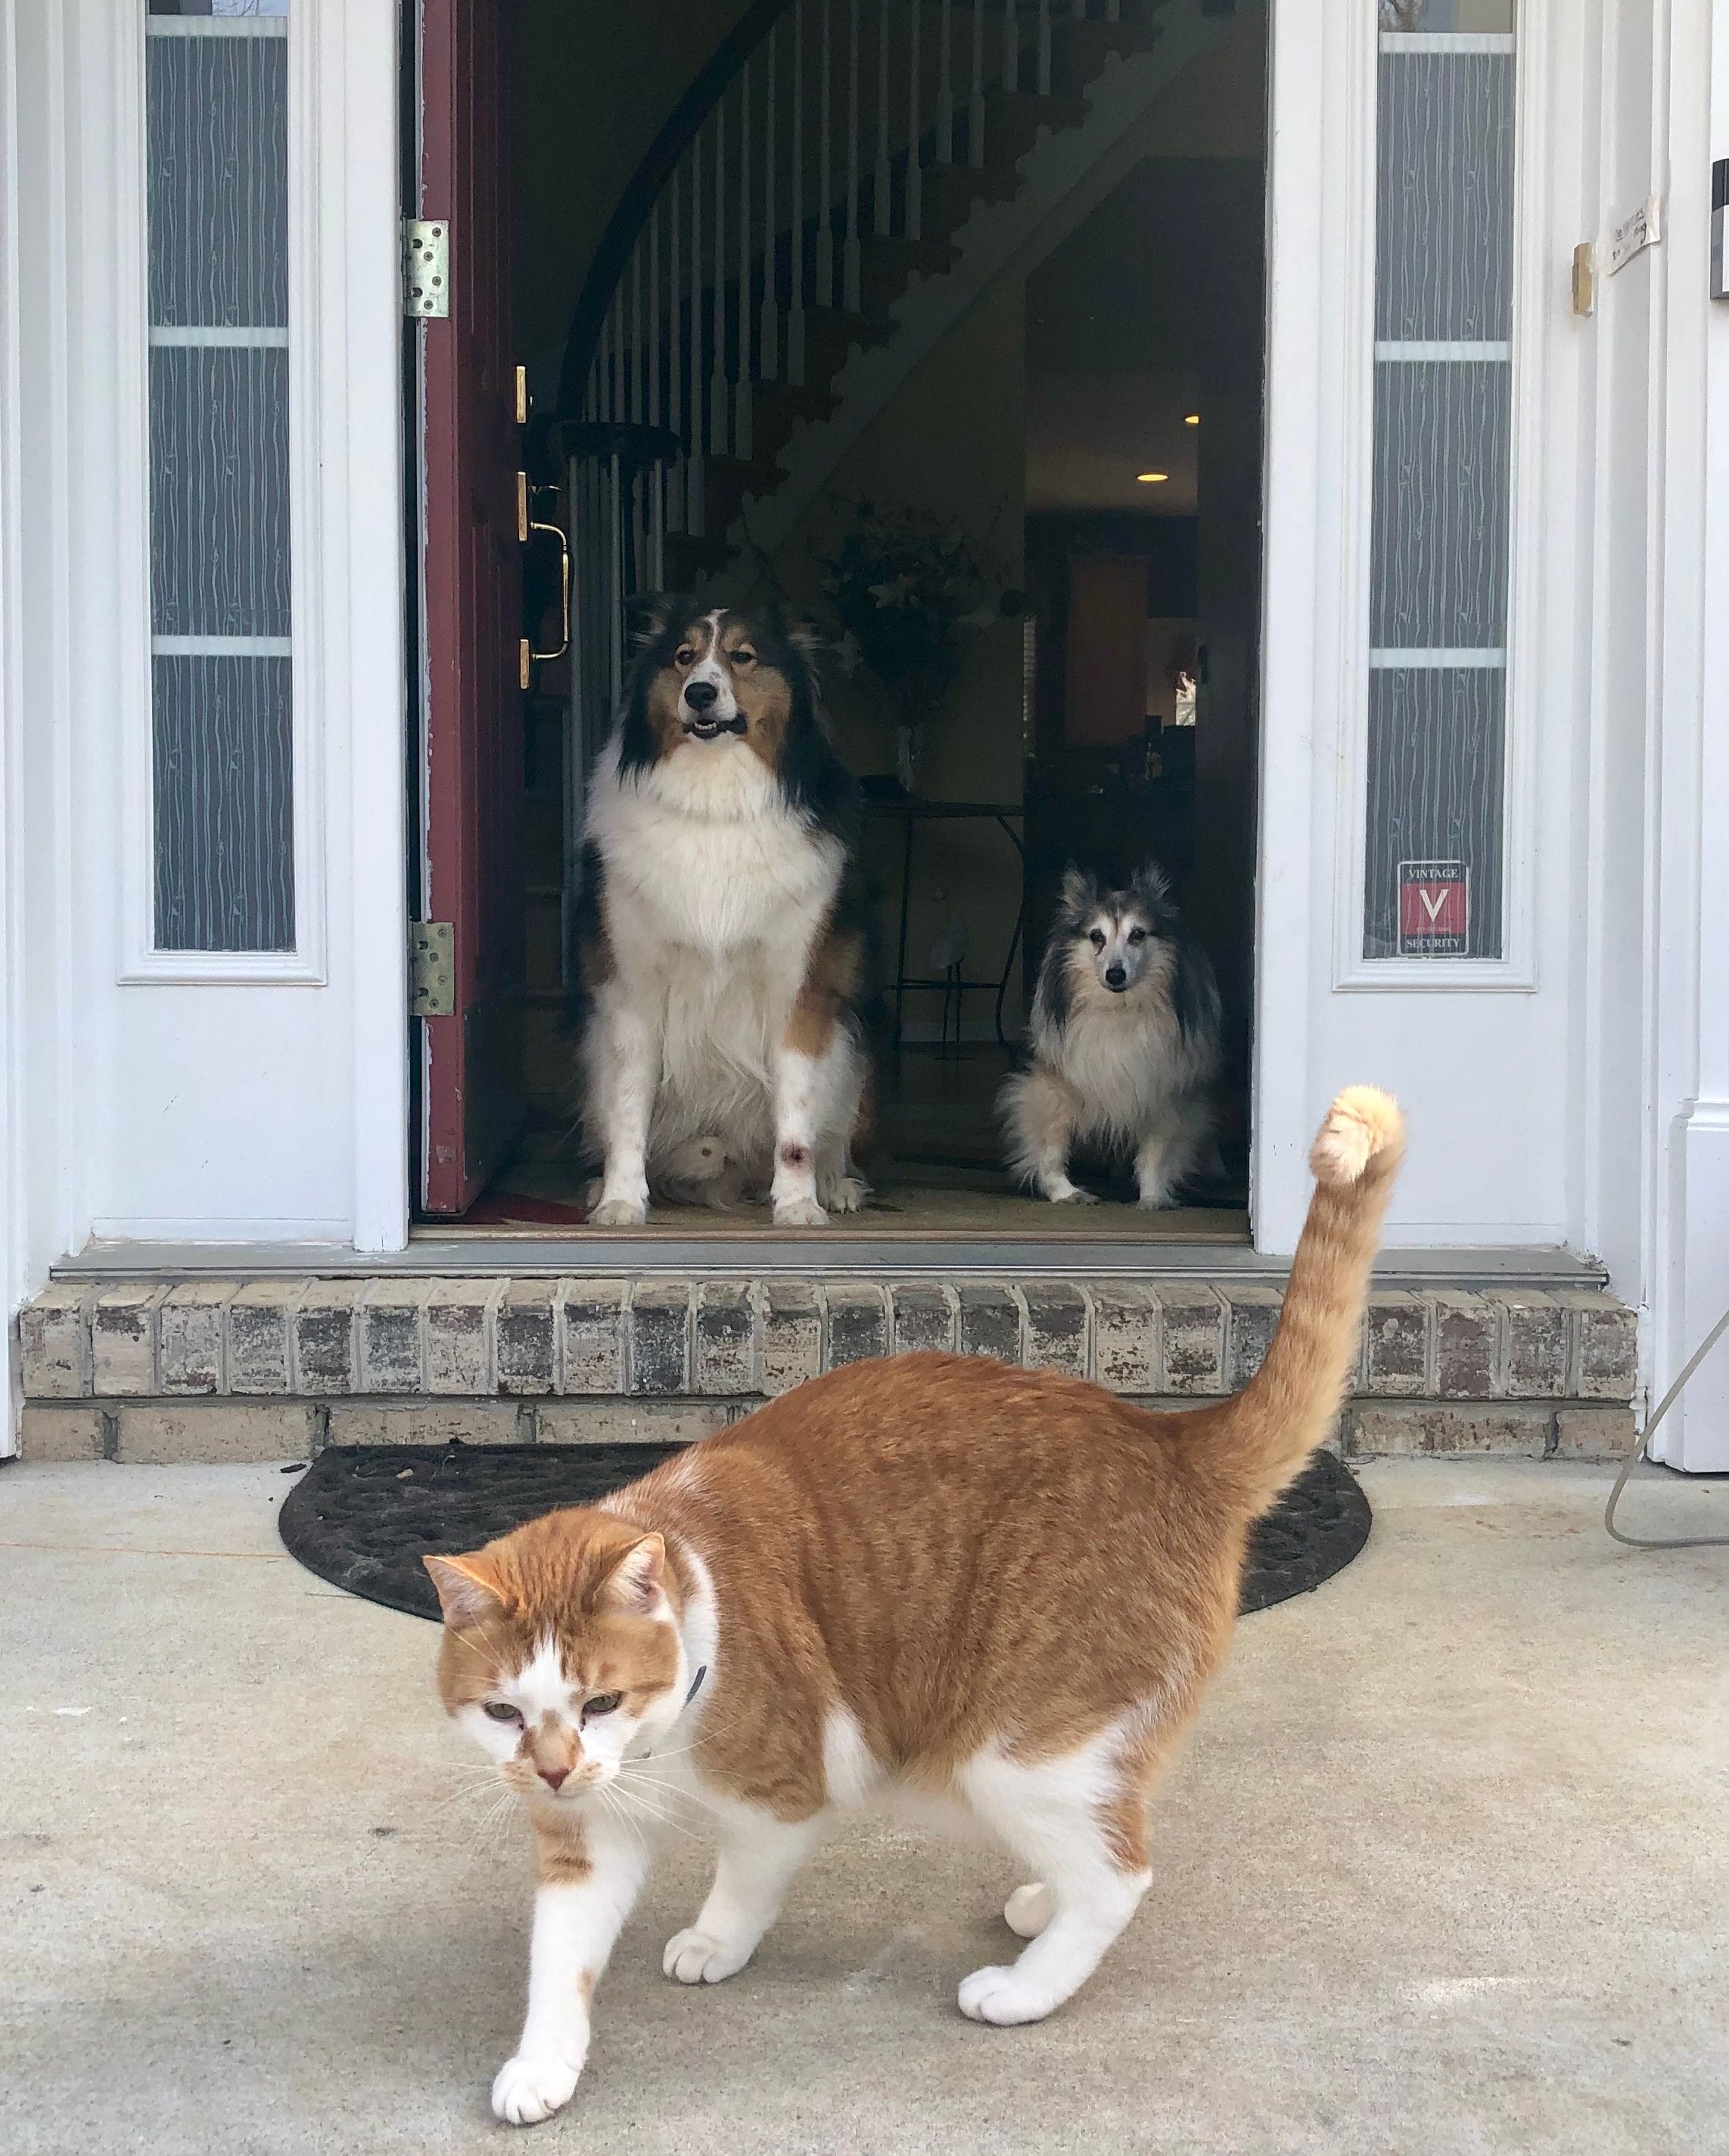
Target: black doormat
point(363, 1515)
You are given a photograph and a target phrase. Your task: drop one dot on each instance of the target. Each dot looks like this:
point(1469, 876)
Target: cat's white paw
point(998, 1996)
point(798, 1212)
point(619, 1212)
point(693, 1956)
point(533, 2085)
point(846, 1193)
point(1028, 1910)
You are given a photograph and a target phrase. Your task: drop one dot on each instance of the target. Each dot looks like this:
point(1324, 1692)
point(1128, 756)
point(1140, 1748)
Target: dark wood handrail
point(718, 74)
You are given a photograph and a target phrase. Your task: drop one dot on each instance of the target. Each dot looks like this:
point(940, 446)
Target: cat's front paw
point(533, 2085)
point(999, 1996)
point(846, 1193)
point(619, 1212)
point(1028, 1910)
point(693, 1957)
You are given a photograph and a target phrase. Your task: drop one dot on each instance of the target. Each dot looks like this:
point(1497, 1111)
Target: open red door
point(471, 580)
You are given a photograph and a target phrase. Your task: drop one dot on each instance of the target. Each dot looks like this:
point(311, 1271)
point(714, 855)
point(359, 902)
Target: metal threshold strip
point(817, 1256)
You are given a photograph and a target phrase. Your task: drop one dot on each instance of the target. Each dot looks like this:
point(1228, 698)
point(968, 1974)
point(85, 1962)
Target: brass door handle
point(557, 531)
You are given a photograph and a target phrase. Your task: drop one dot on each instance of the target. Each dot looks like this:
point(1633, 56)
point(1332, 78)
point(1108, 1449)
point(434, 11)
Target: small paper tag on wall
point(1434, 909)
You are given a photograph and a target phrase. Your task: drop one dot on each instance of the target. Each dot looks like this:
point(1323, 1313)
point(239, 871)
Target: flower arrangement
point(902, 584)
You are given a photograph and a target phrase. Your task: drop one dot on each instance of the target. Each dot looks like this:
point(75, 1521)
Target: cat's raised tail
point(1265, 1435)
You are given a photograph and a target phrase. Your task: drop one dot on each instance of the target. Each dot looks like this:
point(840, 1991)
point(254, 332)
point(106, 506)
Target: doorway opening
point(904, 307)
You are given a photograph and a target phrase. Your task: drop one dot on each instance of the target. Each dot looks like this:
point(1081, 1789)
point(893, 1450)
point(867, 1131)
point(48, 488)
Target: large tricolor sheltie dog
point(1122, 1047)
point(721, 936)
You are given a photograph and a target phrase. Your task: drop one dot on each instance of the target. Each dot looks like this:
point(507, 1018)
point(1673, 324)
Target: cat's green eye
point(602, 1703)
point(500, 1710)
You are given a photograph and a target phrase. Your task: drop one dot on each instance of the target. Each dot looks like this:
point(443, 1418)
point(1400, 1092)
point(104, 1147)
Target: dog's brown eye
point(745, 656)
point(684, 656)
point(500, 1710)
point(1137, 936)
point(602, 1703)
point(1097, 939)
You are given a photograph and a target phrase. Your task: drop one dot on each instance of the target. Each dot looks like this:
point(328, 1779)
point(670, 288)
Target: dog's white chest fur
point(715, 893)
point(1122, 1058)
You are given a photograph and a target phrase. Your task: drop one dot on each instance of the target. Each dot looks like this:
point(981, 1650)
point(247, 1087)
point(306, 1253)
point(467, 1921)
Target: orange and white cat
point(1001, 1589)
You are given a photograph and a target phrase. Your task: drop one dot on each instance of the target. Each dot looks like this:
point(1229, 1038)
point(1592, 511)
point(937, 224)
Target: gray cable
point(1664, 1405)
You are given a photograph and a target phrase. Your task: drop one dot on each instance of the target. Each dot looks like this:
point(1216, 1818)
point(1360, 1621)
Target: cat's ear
point(635, 1582)
point(468, 1589)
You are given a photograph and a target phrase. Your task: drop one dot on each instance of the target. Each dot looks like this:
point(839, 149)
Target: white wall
point(212, 1105)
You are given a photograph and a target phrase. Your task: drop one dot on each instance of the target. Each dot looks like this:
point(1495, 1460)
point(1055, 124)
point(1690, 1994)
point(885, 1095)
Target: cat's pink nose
point(552, 1776)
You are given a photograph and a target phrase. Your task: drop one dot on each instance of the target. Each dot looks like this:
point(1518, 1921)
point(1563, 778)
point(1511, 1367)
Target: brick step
point(133, 1369)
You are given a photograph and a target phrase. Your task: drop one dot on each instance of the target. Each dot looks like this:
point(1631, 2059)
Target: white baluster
point(615, 585)
point(1112, 11)
point(1010, 48)
point(1079, 10)
point(946, 97)
point(1044, 48)
point(796, 309)
point(720, 395)
point(657, 530)
point(880, 206)
point(976, 101)
point(676, 494)
point(653, 315)
point(741, 430)
point(851, 299)
point(694, 355)
point(769, 329)
point(825, 169)
point(915, 198)
point(636, 352)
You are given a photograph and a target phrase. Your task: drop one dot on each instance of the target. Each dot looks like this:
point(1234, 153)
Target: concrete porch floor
point(1446, 1869)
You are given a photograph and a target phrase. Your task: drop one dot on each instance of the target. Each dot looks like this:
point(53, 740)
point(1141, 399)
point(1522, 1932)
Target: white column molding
point(1688, 813)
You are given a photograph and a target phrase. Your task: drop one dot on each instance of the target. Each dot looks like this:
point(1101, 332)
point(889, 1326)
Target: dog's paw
point(846, 1193)
point(1028, 1910)
point(619, 1212)
point(1156, 1201)
point(798, 1212)
point(693, 1956)
point(1000, 1997)
point(1071, 1194)
point(533, 2085)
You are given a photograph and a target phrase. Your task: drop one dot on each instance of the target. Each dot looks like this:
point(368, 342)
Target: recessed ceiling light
point(1152, 479)
point(1191, 419)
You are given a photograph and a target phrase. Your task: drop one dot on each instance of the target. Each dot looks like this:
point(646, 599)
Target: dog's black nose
point(700, 695)
point(1115, 977)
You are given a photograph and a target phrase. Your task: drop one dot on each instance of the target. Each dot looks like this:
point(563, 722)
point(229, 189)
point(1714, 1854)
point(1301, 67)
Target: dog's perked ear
point(1080, 890)
point(648, 615)
point(1149, 890)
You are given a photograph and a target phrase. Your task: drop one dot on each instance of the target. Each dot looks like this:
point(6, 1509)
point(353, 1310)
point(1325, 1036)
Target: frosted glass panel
point(218, 179)
point(221, 616)
point(219, 441)
point(224, 849)
point(1444, 240)
point(1435, 764)
point(1438, 551)
point(1439, 555)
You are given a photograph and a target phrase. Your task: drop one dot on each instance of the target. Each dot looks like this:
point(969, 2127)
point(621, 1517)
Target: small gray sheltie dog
point(722, 930)
point(1122, 1047)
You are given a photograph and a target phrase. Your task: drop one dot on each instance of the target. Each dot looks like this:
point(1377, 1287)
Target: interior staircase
point(833, 191)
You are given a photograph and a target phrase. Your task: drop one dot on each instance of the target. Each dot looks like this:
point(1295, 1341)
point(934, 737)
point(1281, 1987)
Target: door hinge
point(425, 267)
point(432, 969)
